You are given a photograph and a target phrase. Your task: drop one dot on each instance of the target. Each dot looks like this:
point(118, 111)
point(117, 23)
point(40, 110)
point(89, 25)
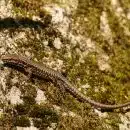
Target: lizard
point(35, 69)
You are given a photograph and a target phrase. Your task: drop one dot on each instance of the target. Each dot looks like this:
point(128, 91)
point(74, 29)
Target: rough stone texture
point(87, 41)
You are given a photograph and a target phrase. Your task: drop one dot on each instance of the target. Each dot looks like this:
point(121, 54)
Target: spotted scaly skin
point(32, 68)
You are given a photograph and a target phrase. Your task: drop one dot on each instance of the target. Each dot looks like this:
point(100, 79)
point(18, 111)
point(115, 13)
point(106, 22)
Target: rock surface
point(87, 41)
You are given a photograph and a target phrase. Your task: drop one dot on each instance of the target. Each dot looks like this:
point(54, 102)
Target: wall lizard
point(32, 68)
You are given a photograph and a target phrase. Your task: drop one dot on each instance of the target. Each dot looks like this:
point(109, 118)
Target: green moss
point(39, 123)
point(89, 13)
point(30, 8)
point(6, 120)
point(22, 121)
point(113, 120)
point(29, 100)
point(125, 4)
point(45, 114)
point(27, 5)
point(22, 109)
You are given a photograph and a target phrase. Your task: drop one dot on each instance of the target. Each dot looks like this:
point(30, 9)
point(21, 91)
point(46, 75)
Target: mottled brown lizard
point(32, 68)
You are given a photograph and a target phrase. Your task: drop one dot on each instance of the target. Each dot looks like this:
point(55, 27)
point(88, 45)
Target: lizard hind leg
point(29, 74)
